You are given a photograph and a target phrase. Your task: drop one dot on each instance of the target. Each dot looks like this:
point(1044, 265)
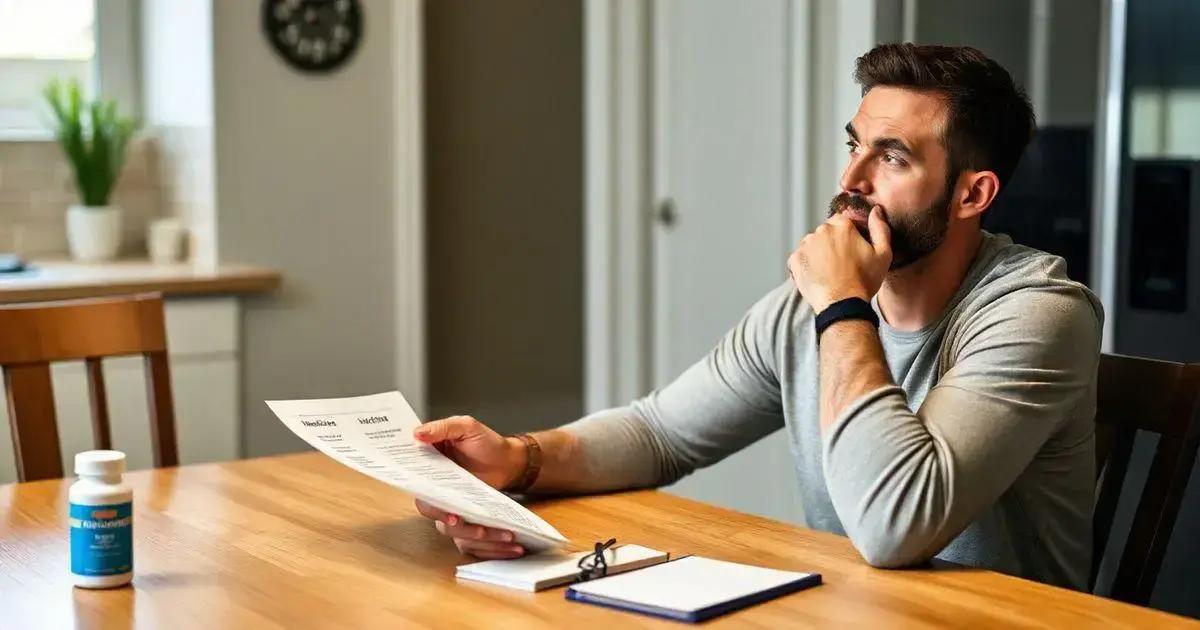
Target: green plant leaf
point(95, 146)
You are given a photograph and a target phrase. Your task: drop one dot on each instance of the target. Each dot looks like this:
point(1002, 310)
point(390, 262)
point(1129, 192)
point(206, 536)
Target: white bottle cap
point(105, 463)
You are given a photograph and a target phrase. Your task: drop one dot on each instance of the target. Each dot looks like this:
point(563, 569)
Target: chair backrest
point(1159, 397)
point(34, 335)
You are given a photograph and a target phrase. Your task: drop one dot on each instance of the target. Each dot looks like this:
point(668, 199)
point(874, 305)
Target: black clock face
point(313, 35)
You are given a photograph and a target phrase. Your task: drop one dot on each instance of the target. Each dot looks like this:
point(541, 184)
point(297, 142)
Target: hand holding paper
point(475, 447)
point(373, 435)
point(497, 460)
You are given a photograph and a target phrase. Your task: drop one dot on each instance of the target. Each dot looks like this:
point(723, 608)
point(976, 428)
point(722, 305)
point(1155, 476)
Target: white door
point(722, 235)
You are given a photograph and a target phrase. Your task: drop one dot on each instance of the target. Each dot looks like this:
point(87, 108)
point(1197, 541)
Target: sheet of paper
point(688, 584)
point(373, 435)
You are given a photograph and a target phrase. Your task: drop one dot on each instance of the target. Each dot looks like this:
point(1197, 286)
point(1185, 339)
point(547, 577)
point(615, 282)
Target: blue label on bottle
point(101, 539)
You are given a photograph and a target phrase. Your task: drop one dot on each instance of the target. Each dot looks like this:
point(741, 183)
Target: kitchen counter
point(61, 280)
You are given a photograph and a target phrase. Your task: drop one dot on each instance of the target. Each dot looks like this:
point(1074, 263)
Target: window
point(87, 40)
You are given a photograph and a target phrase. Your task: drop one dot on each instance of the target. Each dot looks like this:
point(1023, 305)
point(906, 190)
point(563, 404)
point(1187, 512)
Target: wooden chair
point(34, 335)
point(1159, 397)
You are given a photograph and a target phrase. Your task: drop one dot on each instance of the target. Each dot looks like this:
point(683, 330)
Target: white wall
point(842, 30)
point(306, 183)
point(177, 106)
point(176, 43)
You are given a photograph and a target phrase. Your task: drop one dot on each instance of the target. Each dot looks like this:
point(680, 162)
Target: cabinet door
point(721, 131)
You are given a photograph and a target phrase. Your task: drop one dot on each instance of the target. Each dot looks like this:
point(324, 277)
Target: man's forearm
point(611, 453)
point(562, 469)
point(852, 365)
point(614, 449)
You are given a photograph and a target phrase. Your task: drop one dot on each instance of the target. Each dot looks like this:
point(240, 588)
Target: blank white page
point(688, 584)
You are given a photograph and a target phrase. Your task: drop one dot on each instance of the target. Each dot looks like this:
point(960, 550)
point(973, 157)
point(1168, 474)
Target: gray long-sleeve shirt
point(981, 454)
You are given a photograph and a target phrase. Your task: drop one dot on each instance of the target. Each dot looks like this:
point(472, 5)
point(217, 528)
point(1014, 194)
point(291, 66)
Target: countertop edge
point(74, 281)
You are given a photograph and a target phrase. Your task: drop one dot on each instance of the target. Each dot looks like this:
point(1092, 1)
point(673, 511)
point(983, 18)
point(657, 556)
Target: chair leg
point(101, 434)
point(162, 410)
point(33, 421)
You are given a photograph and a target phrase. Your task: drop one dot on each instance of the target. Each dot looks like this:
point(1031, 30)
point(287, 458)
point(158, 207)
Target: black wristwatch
point(849, 308)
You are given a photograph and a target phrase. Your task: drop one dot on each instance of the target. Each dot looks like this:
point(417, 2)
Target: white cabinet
point(204, 348)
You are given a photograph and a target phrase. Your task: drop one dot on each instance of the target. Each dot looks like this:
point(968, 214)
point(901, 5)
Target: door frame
point(622, 173)
point(1106, 169)
point(409, 204)
point(616, 200)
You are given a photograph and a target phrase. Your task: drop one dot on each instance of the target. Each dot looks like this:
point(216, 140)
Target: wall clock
point(313, 35)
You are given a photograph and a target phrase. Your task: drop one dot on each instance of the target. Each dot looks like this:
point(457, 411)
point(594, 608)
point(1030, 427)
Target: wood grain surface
point(300, 541)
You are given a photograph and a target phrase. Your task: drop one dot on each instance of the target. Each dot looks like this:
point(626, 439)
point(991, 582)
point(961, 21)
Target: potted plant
point(93, 135)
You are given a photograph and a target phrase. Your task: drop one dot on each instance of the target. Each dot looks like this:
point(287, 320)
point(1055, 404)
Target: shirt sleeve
point(723, 403)
point(904, 484)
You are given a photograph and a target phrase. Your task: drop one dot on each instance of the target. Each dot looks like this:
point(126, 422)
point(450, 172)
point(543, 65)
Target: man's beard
point(914, 235)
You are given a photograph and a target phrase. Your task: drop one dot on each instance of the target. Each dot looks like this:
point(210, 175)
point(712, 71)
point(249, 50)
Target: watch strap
point(849, 308)
point(533, 463)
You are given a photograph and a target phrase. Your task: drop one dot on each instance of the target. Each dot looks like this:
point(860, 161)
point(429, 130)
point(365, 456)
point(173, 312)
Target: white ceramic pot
point(164, 240)
point(94, 232)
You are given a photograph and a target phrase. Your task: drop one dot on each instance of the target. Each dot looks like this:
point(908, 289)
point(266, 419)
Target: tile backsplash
point(37, 184)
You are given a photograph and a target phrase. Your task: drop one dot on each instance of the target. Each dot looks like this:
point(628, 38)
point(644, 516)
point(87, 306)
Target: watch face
point(313, 35)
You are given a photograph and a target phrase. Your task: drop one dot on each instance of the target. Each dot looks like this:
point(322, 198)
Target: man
point(957, 424)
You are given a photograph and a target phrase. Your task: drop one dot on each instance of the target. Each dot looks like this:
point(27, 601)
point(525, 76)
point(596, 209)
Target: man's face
point(898, 162)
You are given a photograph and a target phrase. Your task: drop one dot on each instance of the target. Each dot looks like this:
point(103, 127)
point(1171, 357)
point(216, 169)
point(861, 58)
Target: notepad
point(545, 570)
point(691, 588)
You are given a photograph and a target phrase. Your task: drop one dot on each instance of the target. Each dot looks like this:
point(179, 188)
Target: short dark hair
point(989, 119)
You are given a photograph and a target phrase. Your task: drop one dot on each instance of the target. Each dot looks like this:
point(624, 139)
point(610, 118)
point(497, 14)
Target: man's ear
point(977, 190)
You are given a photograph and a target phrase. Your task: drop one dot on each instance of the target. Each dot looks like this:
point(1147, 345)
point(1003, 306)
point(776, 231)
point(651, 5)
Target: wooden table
point(299, 541)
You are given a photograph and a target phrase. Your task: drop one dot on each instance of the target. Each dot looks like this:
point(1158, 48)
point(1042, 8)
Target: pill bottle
point(101, 517)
